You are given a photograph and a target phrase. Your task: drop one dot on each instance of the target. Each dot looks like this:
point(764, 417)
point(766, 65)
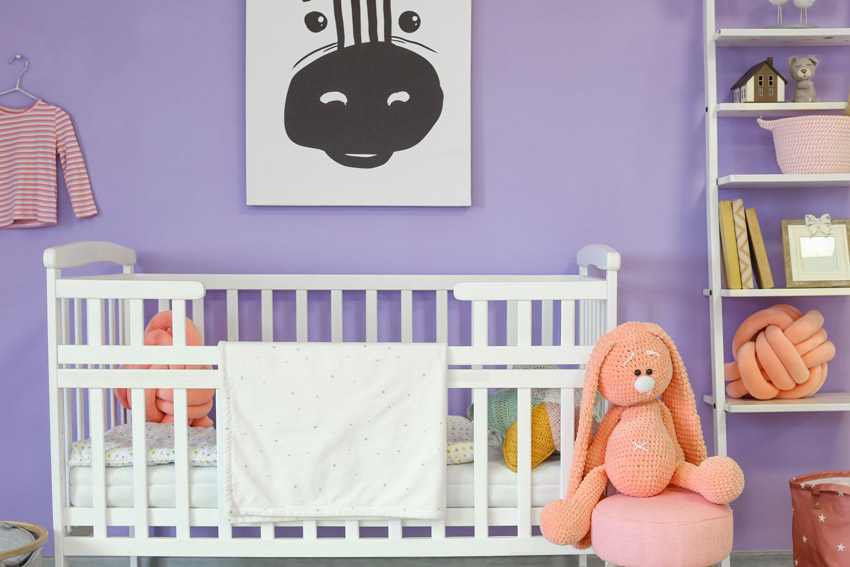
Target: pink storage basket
point(811, 144)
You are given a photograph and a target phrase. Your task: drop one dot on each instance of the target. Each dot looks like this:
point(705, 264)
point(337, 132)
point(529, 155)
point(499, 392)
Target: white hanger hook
point(26, 65)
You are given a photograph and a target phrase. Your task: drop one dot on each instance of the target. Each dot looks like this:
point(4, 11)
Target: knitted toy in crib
point(545, 423)
point(159, 403)
point(643, 444)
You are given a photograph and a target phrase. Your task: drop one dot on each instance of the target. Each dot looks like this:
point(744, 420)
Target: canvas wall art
point(358, 102)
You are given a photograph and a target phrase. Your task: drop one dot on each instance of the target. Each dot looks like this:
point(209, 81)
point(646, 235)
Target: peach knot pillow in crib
point(779, 353)
point(649, 438)
point(159, 403)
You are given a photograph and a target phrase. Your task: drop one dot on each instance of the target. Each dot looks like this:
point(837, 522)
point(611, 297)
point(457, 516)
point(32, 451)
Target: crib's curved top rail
point(77, 254)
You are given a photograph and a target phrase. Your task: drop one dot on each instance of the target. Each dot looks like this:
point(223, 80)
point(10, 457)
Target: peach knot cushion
point(779, 353)
point(677, 528)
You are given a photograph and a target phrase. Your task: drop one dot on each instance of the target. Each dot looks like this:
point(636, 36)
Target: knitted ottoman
point(677, 528)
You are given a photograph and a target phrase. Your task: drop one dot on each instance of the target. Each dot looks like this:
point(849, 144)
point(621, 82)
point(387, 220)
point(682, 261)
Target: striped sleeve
point(73, 167)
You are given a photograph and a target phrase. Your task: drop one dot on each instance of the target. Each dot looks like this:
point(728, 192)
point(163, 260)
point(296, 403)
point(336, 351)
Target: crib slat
point(479, 323)
point(442, 316)
point(232, 315)
point(97, 431)
point(225, 529)
point(66, 322)
point(178, 321)
point(122, 338)
point(568, 322)
point(394, 530)
point(78, 321)
point(181, 460)
point(480, 338)
point(122, 316)
point(352, 529)
point(301, 316)
point(547, 330)
point(523, 429)
point(523, 462)
point(137, 322)
point(267, 530)
point(511, 322)
point(198, 315)
point(162, 304)
point(371, 315)
point(140, 474)
point(309, 530)
point(406, 316)
point(267, 315)
point(479, 471)
point(68, 433)
point(78, 340)
point(336, 315)
point(111, 400)
point(438, 529)
point(523, 323)
point(65, 338)
point(568, 434)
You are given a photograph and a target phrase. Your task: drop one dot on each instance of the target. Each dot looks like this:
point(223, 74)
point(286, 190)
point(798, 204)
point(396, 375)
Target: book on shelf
point(729, 246)
point(742, 241)
point(763, 275)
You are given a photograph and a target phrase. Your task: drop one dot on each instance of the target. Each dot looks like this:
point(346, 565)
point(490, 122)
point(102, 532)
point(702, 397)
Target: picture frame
point(320, 128)
point(816, 252)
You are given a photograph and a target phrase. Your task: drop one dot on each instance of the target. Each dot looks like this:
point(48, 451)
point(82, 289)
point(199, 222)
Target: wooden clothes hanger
point(17, 87)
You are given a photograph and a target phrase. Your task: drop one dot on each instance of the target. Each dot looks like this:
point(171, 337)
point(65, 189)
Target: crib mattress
point(202, 485)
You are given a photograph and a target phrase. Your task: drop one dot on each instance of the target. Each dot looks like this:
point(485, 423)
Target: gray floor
point(739, 559)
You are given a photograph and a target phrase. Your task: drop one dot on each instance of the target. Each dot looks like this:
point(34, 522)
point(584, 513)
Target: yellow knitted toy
point(643, 444)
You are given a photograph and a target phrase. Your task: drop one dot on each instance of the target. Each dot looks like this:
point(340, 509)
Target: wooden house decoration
point(761, 83)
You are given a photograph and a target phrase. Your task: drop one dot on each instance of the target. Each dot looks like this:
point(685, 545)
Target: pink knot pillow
point(159, 403)
point(779, 353)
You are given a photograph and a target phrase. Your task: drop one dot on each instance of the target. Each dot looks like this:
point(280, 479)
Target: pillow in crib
point(159, 441)
point(459, 440)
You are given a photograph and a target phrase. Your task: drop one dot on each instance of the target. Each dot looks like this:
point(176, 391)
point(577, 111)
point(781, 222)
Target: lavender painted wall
point(588, 126)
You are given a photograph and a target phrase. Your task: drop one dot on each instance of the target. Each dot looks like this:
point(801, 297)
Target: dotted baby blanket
point(333, 430)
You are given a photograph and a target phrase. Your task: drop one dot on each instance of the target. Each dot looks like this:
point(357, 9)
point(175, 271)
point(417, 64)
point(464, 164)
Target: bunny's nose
point(644, 384)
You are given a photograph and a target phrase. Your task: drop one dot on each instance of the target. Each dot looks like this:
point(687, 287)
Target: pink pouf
point(677, 528)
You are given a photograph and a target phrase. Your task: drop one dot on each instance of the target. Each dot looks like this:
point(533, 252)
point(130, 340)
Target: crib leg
point(135, 561)
point(582, 560)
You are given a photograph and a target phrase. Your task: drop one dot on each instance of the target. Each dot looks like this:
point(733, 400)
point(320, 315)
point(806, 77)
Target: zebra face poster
point(358, 102)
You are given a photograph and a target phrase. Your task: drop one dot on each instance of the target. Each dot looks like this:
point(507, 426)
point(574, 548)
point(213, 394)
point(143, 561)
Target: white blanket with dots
point(333, 430)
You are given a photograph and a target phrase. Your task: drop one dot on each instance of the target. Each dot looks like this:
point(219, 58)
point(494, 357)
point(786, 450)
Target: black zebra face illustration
point(366, 93)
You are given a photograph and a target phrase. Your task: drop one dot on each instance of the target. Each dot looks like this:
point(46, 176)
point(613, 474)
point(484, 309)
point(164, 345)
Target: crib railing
point(97, 323)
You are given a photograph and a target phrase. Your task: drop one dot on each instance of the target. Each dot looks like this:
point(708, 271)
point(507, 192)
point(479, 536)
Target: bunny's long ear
point(588, 397)
point(679, 398)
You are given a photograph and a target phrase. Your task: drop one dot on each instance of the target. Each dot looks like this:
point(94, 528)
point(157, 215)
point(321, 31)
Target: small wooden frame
point(816, 260)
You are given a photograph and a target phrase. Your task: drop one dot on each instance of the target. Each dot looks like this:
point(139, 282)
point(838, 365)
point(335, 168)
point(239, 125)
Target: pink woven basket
point(811, 144)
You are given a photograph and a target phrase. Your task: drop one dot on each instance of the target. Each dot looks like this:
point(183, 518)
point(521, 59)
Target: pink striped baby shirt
point(30, 139)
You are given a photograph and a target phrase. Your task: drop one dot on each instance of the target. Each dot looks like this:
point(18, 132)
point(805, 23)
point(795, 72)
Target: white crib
point(491, 323)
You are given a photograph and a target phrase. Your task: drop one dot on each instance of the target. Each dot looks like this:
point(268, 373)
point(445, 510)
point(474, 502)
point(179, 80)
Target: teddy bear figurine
point(643, 443)
point(802, 71)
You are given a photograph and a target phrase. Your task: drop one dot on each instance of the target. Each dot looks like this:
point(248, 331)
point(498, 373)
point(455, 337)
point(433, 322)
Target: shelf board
point(780, 180)
point(783, 292)
point(783, 37)
point(819, 402)
point(774, 109)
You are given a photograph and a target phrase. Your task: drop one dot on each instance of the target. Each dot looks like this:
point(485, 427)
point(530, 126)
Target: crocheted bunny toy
point(644, 443)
